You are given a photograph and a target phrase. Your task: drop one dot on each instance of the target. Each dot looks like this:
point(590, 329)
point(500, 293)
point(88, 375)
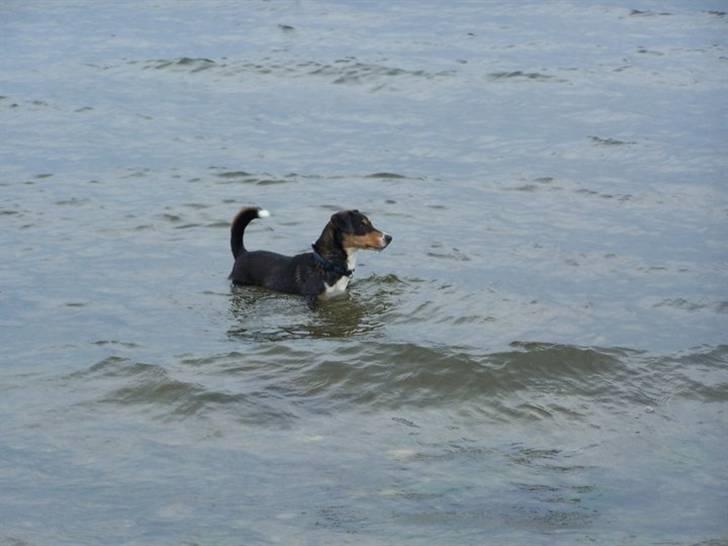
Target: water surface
point(540, 357)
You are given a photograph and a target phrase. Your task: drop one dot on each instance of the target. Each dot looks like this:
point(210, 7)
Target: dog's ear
point(342, 221)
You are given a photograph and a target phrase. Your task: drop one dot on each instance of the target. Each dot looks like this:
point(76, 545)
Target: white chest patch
point(339, 287)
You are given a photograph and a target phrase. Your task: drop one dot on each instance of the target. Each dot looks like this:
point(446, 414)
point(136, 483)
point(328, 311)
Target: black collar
point(330, 266)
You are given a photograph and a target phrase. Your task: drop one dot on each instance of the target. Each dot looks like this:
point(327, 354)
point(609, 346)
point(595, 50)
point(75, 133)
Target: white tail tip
point(262, 213)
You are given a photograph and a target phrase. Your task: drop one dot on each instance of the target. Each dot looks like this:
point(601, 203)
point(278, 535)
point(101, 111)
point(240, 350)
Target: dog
point(318, 275)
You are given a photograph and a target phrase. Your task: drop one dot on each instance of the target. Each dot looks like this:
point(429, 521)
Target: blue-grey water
point(540, 357)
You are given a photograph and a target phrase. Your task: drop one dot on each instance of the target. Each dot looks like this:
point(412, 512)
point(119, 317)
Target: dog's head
point(355, 231)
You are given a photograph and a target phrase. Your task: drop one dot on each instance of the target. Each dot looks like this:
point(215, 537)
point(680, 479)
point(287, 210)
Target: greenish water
point(540, 357)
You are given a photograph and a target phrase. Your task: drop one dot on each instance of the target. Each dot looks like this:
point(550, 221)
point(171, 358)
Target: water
point(540, 357)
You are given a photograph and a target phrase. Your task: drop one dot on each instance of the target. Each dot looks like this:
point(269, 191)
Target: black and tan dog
point(320, 274)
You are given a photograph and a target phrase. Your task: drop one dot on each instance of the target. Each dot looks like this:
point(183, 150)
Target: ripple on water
point(262, 316)
point(386, 175)
point(242, 177)
point(161, 394)
point(343, 71)
point(521, 76)
point(186, 64)
point(271, 384)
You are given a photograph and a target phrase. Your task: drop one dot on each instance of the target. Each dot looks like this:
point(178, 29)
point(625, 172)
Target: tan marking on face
point(373, 239)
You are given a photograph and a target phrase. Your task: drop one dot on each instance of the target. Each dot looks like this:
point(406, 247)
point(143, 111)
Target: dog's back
point(322, 273)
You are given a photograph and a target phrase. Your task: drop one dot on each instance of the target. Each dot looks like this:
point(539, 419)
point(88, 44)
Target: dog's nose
point(387, 239)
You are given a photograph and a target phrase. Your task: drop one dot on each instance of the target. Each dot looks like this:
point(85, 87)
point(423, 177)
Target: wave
point(273, 384)
point(155, 390)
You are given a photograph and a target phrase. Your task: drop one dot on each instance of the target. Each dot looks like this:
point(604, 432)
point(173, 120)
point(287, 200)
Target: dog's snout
point(387, 239)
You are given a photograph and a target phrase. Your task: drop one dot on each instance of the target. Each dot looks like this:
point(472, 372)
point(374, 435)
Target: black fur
point(303, 274)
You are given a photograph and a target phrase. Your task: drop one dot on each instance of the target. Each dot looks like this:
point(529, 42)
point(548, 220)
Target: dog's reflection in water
point(263, 315)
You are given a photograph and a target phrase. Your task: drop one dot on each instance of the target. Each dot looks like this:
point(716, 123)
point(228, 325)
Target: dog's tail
point(239, 224)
